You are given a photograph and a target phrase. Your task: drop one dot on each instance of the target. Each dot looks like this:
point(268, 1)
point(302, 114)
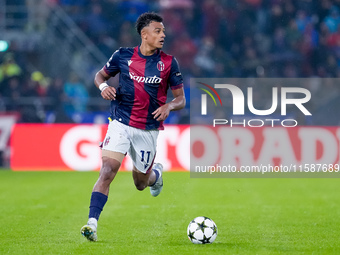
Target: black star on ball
point(205, 239)
point(214, 228)
point(191, 235)
point(202, 226)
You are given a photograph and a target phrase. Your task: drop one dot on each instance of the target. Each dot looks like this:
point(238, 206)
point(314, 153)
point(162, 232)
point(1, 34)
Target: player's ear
point(143, 33)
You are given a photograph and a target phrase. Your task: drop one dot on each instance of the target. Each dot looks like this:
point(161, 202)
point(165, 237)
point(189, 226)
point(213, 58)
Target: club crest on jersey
point(160, 66)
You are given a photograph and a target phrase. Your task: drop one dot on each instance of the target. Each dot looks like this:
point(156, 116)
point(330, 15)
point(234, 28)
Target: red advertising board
point(67, 147)
point(238, 146)
point(64, 147)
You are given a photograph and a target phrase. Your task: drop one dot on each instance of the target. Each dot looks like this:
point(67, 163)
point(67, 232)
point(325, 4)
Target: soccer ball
point(202, 230)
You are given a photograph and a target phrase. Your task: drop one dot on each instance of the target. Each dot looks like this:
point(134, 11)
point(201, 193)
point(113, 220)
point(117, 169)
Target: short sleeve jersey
point(143, 85)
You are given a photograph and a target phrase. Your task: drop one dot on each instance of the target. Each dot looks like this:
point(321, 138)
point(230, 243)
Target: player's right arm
point(110, 69)
point(100, 80)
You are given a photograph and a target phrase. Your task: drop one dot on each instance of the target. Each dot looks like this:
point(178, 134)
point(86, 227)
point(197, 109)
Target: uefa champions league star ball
point(202, 230)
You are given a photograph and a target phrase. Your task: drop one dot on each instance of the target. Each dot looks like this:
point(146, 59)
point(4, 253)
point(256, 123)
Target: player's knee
point(140, 185)
point(108, 170)
point(106, 174)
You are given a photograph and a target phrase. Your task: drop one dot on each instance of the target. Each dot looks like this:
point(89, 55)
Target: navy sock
point(157, 176)
point(98, 200)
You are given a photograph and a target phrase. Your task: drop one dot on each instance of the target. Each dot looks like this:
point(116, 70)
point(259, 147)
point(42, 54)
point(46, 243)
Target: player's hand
point(161, 113)
point(109, 93)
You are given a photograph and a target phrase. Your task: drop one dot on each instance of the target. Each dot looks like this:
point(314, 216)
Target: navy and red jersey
point(143, 85)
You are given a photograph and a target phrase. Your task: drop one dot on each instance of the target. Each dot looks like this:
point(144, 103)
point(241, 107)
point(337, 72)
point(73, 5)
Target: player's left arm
point(176, 104)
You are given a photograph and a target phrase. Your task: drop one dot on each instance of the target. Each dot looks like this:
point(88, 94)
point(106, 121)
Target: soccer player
point(138, 109)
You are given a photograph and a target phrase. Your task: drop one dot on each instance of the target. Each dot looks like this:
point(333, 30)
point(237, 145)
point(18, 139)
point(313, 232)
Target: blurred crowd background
point(51, 49)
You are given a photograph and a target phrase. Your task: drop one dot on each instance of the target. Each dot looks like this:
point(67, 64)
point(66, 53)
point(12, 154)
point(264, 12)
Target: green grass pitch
point(42, 213)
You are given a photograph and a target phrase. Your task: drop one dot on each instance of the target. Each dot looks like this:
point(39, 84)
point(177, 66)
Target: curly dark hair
point(145, 19)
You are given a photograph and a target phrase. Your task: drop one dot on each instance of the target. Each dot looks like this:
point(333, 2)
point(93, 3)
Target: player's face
point(154, 35)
